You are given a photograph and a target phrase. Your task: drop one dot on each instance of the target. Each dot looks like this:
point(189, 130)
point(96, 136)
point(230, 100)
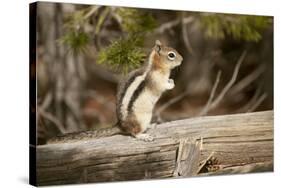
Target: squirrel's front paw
point(170, 84)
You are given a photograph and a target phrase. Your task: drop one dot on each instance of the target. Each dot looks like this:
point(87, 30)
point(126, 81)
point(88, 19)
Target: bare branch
point(169, 103)
point(91, 11)
point(230, 83)
point(102, 18)
point(251, 101)
point(185, 38)
point(258, 103)
point(81, 70)
point(117, 17)
point(47, 101)
point(166, 26)
point(247, 80)
point(52, 119)
point(169, 25)
point(104, 73)
point(213, 91)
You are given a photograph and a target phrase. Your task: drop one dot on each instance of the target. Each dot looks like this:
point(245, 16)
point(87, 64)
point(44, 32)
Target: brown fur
point(131, 126)
point(158, 65)
point(152, 85)
point(159, 68)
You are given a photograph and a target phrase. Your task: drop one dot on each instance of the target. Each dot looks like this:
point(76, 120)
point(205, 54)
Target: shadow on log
point(212, 145)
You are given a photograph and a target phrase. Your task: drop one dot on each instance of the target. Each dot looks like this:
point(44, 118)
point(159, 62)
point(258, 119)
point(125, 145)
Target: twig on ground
point(204, 163)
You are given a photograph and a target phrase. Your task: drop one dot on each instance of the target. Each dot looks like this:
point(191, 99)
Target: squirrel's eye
point(171, 55)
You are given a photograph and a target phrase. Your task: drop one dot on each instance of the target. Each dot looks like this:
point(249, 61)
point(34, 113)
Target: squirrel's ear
point(158, 43)
point(157, 46)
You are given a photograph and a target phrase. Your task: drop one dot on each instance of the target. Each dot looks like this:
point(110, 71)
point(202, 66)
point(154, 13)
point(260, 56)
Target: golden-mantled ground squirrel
point(137, 96)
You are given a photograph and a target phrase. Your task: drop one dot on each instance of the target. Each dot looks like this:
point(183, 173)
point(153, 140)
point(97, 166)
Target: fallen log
point(212, 145)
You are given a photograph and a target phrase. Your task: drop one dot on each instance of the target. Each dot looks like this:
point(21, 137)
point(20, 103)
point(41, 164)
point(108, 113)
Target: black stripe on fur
point(136, 95)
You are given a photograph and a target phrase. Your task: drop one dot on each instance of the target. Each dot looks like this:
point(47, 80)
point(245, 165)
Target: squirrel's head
point(165, 57)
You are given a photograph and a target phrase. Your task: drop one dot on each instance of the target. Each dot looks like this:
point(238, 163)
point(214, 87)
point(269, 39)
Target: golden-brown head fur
point(164, 58)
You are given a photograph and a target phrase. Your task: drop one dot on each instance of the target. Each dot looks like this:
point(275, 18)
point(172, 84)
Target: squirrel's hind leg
point(133, 127)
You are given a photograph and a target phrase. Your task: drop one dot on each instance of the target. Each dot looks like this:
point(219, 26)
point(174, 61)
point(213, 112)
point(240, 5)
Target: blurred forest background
point(83, 51)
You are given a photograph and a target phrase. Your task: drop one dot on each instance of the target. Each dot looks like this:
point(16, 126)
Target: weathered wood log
point(205, 145)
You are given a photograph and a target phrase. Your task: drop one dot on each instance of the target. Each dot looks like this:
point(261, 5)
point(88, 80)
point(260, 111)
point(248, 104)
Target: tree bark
point(211, 145)
point(64, 76)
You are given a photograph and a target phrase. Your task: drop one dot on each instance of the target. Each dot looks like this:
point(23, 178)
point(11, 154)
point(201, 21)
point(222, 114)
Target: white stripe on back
point(129, 93)
point(133, 87)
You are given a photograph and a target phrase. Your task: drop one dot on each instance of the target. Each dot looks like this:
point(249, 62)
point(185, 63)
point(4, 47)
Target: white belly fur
point(143, 108)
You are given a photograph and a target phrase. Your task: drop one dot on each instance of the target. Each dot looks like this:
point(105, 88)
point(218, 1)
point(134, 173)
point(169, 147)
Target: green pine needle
point(76, 41)
point(136, 21)
point(240, 27)
point(123, 54)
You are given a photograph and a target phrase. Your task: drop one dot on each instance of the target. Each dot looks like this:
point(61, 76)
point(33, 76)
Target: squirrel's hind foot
point(144, 137)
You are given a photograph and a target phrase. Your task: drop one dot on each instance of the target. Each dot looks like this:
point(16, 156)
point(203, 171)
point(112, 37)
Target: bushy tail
point(74, 137)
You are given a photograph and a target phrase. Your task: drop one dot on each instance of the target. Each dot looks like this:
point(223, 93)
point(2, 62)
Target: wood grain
point(209, 145)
